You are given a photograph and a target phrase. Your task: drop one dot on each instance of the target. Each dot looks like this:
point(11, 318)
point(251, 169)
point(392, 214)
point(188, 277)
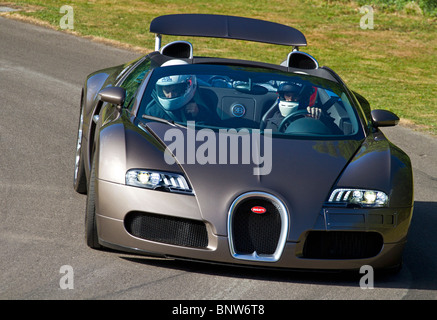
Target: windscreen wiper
point(170, 122)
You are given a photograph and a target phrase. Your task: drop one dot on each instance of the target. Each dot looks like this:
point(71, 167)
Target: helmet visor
point(172, 91)
point(288, 96)
point(290, 91)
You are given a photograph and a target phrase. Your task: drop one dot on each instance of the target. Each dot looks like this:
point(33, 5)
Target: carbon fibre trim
point(230, 27)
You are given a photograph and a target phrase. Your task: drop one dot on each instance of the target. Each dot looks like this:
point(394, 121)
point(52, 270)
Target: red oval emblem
point(258, 210)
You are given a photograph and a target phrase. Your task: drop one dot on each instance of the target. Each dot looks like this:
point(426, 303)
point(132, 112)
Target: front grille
point(342, 245)
point(256, 232)
point(166, 229)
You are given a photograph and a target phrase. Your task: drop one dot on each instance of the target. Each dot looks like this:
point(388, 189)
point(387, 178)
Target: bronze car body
point(318, 202)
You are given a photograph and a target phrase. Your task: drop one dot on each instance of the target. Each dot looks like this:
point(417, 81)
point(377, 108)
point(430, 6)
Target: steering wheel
point(292, 117)
point(223, 80)
point(208, 115)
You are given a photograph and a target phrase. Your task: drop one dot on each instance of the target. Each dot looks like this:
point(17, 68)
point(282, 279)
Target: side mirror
point(113, 95)
point(384, 118)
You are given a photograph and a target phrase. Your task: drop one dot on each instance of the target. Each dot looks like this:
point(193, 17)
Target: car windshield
point(220, 96)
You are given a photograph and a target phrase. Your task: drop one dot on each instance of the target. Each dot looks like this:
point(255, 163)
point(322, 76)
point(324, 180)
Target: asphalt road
point(41, 229)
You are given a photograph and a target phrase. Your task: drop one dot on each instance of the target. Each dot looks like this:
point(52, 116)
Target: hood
point(299, 172)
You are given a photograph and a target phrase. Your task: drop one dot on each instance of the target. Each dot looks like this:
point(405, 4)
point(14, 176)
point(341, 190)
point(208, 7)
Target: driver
point(176, 100)
point(292, 97)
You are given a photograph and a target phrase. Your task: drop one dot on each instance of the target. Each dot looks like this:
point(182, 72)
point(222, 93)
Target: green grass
point(393, 65)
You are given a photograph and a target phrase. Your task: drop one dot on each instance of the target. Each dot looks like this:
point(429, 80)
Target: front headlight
point(361, 197)
point(157, 180)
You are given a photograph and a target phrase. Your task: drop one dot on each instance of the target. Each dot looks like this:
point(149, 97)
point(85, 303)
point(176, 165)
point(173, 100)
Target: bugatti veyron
point(236, 161)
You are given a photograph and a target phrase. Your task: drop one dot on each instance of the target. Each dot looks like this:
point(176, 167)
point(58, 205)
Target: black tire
point(91, 235)
point(79, 181)
point(80, 184)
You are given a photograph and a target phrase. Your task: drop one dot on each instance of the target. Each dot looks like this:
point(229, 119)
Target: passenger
point(293, 97)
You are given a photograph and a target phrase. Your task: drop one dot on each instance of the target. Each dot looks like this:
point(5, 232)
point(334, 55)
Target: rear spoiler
point(229, 27)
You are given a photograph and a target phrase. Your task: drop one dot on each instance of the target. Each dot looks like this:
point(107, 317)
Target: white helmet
point(289, 94)
point(176, 91)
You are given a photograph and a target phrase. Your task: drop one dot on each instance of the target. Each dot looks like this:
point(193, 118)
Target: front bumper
point(391, 224)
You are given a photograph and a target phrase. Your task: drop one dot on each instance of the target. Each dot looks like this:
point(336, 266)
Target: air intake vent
point(342, 245)
point(301, 60)
point(178, 49)
point(165, 229)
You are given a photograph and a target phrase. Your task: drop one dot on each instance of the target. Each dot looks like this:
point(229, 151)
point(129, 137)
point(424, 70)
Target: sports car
point(239, 162)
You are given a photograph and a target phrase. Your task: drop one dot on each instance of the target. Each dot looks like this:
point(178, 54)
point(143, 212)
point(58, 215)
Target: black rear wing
point(229, 27)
